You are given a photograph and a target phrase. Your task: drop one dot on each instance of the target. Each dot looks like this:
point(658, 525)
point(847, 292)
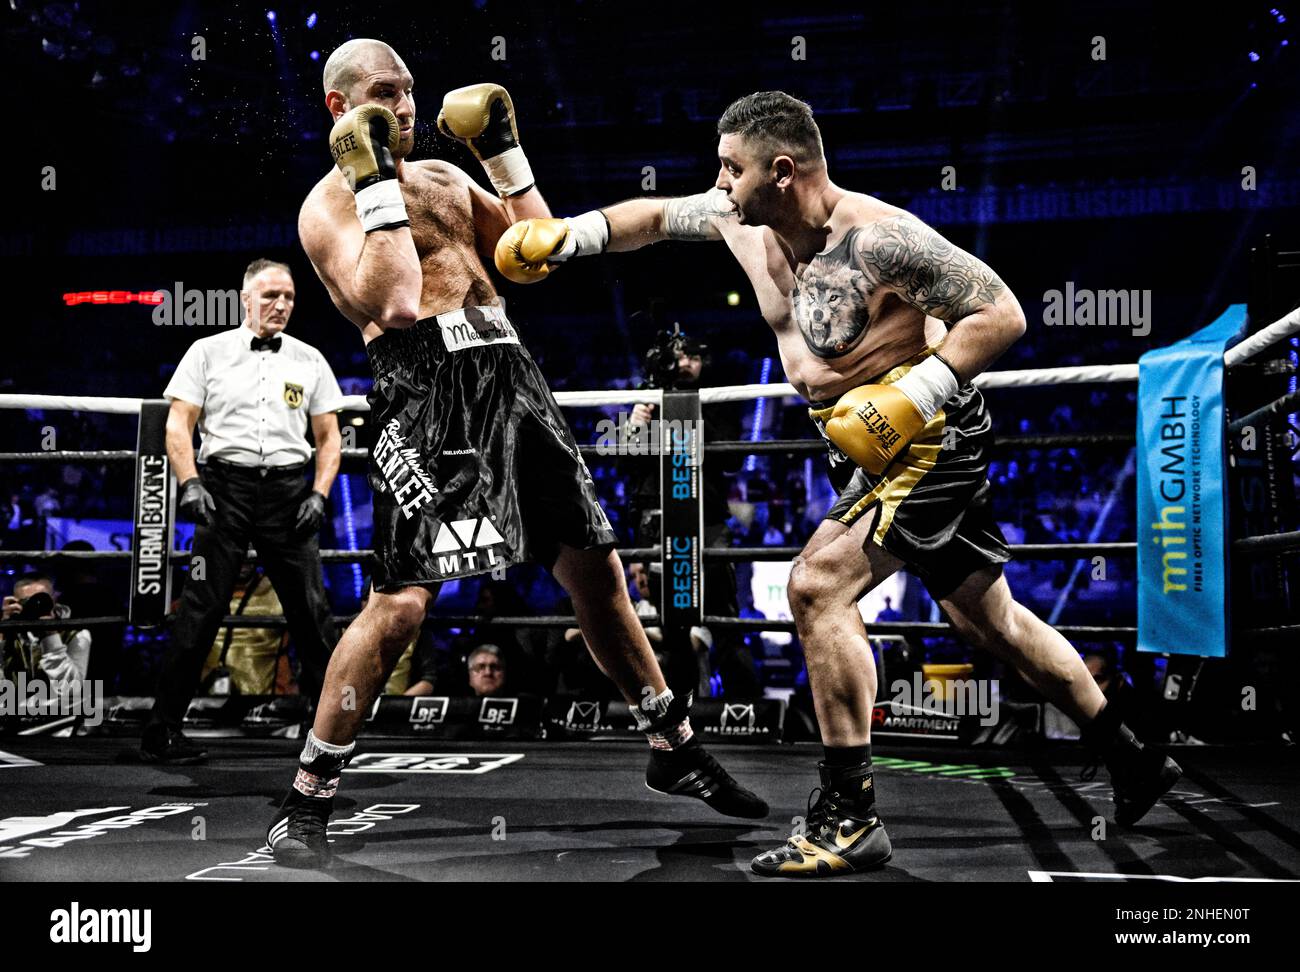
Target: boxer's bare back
point(454, 224)
point(837, 314)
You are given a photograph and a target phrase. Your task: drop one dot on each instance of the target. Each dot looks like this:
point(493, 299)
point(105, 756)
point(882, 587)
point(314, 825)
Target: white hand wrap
point(381, 205)
point(928, 385)
point(510, 172)
point(588, 235)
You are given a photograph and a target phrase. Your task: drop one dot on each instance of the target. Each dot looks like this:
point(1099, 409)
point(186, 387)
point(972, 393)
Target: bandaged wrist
point(588, 235)
point(380, 206)
point(510, 172)
point(928, 385)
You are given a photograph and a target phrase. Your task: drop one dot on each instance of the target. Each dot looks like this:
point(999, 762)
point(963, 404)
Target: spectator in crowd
point(244, 661)
point(61, 657)
point(1102, 668)
point(487, 671)
point(21, 531)
point(889, 613)
point(523, 649)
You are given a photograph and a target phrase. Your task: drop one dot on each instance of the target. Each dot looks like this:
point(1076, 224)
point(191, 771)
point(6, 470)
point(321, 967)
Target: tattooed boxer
point(881, 325)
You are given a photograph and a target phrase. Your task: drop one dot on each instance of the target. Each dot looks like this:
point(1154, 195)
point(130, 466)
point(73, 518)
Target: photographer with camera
point(678, 361)
point(60, 657)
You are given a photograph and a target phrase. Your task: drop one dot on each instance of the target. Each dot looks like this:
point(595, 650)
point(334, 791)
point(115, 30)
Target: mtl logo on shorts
point(464, 542)
point(292, 395)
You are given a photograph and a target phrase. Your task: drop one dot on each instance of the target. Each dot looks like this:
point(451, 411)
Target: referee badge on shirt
point(292, 395)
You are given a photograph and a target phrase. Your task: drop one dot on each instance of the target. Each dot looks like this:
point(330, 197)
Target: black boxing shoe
point(298, 835)
point(1139, 775)
point(691, 771)
point(1139, 780)
point(842, 833)
point(163, 744)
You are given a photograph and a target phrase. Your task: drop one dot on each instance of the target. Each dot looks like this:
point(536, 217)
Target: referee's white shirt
point(255, 403)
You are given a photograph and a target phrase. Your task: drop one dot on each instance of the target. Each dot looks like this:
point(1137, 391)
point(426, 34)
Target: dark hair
point(784, 124)
point(262, 263)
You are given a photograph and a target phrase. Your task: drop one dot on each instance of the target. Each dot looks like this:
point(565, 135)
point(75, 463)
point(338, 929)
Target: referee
point(250, 390)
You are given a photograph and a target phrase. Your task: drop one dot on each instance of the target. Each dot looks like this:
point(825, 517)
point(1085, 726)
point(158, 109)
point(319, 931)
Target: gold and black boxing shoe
point(842, 833)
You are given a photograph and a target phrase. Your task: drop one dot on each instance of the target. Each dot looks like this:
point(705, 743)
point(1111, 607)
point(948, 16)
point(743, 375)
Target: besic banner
point(1182, 521)
point(681, 451)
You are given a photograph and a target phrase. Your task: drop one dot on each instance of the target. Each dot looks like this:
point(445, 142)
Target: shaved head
point(354, 59)
point(364, 71)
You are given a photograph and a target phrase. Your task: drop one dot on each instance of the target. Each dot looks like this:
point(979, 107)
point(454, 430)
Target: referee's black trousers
point(261, 510)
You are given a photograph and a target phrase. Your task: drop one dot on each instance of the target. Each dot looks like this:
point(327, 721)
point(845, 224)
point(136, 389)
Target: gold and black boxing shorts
point(932, 503)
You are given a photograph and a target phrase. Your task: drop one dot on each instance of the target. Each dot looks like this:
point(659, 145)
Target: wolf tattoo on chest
point(830, 301)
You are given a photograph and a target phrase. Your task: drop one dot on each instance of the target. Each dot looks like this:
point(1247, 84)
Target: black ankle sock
point(840, 757)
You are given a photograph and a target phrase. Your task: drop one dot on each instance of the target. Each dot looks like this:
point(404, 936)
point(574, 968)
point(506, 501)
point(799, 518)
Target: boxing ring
point(571, 806)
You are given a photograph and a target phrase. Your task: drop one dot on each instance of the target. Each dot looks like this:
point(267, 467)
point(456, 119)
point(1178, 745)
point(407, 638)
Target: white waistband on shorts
point(475, 327)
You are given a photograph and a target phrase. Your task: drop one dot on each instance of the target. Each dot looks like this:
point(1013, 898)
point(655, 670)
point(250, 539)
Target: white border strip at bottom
point(1047, 877)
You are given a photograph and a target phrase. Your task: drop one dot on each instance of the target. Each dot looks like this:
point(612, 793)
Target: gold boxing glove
point(874, 424)
point(363, 142)
point(482, 117)
point(523, 252)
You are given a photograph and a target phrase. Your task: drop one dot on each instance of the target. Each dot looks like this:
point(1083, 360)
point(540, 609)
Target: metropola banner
point(1182, 507)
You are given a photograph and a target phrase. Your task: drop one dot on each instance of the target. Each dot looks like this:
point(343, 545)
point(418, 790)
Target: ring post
point(152, 517)
point(681, 455)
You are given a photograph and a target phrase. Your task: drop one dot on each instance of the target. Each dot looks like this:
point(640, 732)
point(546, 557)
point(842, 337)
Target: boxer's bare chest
point(442, 227)
point(835, 325)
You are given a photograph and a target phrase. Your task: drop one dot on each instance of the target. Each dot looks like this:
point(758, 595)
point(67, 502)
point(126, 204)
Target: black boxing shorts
point(473, 467)
point(932, 504)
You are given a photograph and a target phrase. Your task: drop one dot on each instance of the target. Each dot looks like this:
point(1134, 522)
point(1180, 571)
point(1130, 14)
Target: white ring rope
point(1283, 327)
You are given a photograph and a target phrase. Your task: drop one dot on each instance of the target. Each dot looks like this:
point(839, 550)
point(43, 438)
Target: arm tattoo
point(941, 279)
point(691, 217)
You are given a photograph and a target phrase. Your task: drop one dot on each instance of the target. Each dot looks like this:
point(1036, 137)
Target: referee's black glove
point(311, 514)
point(196, 502)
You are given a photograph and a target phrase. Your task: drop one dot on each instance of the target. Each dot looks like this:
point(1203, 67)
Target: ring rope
point(1247, 546)
point(563, 621)
point(1083, 374)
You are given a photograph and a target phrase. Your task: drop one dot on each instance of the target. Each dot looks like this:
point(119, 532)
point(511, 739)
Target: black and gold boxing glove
point(482, 117)
point(363, 142)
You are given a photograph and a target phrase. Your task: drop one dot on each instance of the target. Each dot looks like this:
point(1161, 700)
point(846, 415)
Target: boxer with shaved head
point(473, 466)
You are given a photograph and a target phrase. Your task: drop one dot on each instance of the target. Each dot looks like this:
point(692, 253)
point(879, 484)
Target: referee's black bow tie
point(260, 344)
